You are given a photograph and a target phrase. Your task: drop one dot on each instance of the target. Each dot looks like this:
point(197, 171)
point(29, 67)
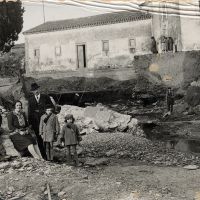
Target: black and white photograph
point(99, 100)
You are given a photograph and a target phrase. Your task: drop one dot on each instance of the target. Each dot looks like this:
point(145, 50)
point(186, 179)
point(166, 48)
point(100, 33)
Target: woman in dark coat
point(20, 132)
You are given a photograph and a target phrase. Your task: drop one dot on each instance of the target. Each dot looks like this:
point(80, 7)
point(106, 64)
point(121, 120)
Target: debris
point(4, 165)
point(191, 167)
point(32, 196)
point(85, 176)
point(60, 194)
point(94, 162)
point(16, 164)
point(111, 153)
point(48, 191)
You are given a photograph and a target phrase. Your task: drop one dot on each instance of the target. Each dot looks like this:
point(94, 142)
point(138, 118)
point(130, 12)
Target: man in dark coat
point(37, 104)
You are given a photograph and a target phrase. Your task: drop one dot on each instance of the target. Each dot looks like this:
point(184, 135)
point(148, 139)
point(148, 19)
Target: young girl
point(71, 136)
point(49, 129)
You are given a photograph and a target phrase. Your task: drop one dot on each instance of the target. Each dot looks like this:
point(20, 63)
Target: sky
point(53, 10)
point(33, 14)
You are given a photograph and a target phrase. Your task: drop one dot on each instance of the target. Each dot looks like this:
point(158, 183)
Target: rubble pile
point(100, 119)
point(122, 145)
point(18, 175)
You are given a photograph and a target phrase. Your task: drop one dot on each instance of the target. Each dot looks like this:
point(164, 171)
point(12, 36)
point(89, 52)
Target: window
point(36, 53)
point(132, 45)
point(105, 45)
point(58, 51)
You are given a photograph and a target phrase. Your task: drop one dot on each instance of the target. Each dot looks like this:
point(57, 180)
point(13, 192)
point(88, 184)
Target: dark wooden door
point(81, 57)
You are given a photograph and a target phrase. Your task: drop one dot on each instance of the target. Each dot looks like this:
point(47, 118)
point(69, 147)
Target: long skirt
point(21, 142)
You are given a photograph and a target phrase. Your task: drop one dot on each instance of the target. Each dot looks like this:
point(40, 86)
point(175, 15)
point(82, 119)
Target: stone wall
point(190, 33)
point(174, 69)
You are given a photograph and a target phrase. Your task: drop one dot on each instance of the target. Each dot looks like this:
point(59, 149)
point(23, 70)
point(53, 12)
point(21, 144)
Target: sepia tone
point(100, 100)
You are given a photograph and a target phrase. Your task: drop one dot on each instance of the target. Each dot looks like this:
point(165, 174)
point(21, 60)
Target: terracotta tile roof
point(97, 20)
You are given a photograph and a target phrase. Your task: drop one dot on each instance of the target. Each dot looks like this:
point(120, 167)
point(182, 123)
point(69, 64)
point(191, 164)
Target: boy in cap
point(49, 130)
point(170, 100)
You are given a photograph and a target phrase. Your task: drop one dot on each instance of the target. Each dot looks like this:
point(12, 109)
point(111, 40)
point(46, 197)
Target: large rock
point(98, 118)
point(76, 111)
point(9, 147)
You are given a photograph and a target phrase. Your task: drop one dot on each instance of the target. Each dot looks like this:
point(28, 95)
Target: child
point(49, 129)
point(71, 136)
point(170, 100)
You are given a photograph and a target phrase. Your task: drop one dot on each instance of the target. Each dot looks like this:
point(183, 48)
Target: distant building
point(108, 40)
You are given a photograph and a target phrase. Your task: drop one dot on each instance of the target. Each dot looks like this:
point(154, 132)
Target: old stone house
point(97, 42)
point(86, 46)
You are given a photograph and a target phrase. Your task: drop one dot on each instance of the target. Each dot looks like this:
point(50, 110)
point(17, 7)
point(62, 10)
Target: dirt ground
point(116, 166)
point(120, 180)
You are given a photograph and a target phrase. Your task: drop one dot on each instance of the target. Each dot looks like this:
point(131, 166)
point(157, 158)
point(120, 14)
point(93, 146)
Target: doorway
point(81, 56)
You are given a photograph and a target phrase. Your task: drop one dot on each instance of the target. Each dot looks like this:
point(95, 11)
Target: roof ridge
point(91, 16)
point(93, 20)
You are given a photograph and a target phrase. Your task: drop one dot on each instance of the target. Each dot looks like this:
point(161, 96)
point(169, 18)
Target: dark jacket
point(70, 134)
point(170, 97)
point(13, 122)
point(36, 110)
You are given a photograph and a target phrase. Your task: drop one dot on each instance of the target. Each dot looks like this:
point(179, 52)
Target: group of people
point(40, 129)
point(167, 44)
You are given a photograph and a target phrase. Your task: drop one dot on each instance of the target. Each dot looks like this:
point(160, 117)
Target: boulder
point(9, 147)
point(75, 110)
point(98, 118)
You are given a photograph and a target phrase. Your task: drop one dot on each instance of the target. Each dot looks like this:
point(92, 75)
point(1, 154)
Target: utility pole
point(43, 10)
